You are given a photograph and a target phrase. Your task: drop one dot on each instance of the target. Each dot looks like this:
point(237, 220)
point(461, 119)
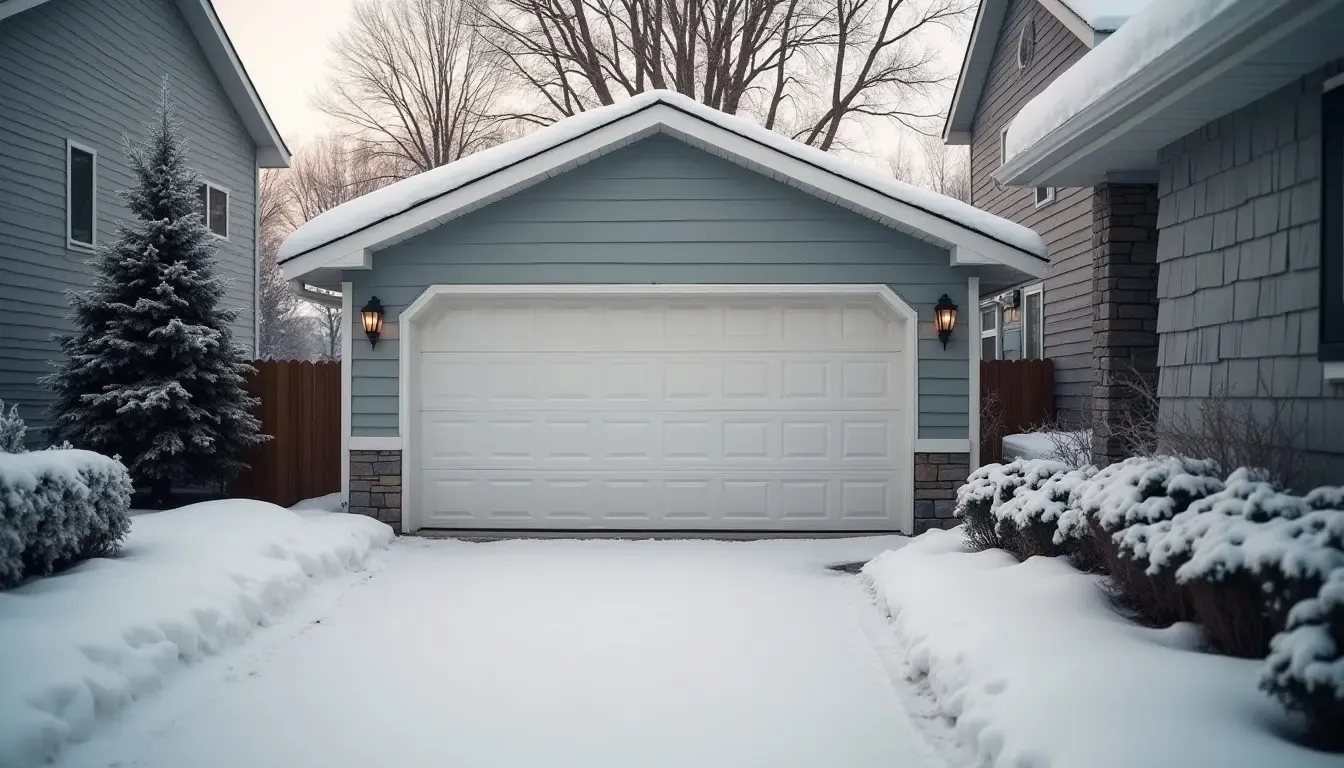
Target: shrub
point(1028, 521)
point(58, 507)
point(1305, 667)
point(12, 430)
point(987, 488)
point(1136, 491)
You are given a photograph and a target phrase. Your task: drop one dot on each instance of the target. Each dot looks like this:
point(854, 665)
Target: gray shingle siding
point(1239, 281)
point(1065, 223)
point(660, 211)
point(89, 70)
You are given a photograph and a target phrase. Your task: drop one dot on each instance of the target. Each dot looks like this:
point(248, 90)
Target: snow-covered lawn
point(1039, 670)
point(555, 653)
point(77, 648)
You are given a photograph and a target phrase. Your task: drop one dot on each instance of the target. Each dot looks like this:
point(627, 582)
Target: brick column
point(937, 477)
point(375, 485)
point(1124, 307)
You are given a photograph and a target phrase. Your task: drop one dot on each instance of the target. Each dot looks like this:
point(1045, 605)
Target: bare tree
point(804, 68)
point(947, 170)
point(415, 82)
point(333, 170)
point(329, 329)
point(284, 332)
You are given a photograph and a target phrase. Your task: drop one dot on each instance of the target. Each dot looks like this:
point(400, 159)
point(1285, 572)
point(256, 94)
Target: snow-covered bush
point(1028, 521)
point(987, 488)
point(58, 507)
point(12, 430)
point(1136, 491)
point(1305, 667)
point(1245, 556)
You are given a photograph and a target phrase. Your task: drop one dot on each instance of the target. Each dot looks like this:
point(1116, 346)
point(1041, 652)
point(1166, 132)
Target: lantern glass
point(945, 319)
point(372, 319)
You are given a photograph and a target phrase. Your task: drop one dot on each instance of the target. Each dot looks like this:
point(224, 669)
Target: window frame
point(1049, 196)
point(1037, 289)
point(1003, 143)
point(991, 306)
point(1026, 45)
point(70, 242)
point(205, 214)
point(1330, 346)
point(1021, 327)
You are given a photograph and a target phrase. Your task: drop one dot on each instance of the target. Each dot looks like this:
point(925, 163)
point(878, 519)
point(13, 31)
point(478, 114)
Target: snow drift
point(81, 646)
point(1038, 670)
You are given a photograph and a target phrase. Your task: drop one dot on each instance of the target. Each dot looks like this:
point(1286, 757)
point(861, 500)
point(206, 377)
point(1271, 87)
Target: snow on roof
point(390, 201)
point(1156, 30)
point(1105, 15)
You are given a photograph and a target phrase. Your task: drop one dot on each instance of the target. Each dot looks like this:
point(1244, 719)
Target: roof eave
point(974, 71)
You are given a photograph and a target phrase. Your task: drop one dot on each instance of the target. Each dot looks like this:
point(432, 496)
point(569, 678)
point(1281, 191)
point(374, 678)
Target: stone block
point(390, 480)
point(944, 508)
point(361, 469)
point(952, 472)
point(387, 467)
point(359, 485)
point(924, 510)
point(925, 472)
point(393, 500)
point(359, 499)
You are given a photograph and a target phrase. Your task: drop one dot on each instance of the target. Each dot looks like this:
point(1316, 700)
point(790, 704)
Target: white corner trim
point(408, 400)
point(973, 374)
point(1073, 22)
point(256, 257)
point(660, 117)
point(387, 443)
point(1334, 372)
point(347, 351)
point(942, 445)
point(1332, 83)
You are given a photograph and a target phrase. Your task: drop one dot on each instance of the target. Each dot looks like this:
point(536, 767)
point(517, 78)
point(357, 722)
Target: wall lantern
point(944, 318)
point(372, 318)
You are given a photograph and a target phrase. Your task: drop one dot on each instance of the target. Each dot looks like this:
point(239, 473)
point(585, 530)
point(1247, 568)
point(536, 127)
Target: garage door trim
point(434, 294)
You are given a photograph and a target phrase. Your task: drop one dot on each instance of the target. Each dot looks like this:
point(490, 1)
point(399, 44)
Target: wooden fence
point(1026, 396)
point(301, 410)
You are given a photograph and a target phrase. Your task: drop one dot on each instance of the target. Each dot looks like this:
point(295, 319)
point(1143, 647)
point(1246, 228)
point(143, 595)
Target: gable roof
point(346, 236)
point(1090, 20)
point(224, 62)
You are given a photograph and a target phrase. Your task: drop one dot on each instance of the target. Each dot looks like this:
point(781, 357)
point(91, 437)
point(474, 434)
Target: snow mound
point(1105, 15)
point(397, 198)
point(81, 646)
point(1038, 670)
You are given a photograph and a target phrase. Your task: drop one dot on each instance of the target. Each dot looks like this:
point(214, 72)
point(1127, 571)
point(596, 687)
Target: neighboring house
point(655, 316)
point(75, 77)
point(1227, 119)
point(1017, 48)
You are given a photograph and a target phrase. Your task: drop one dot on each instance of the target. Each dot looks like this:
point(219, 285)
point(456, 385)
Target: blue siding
point(89, 70)
point(660, 211)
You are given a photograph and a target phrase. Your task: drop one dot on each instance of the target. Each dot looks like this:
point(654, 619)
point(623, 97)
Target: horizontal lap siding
point(90, 70)
point(1239, 271)
point(1065, 223)
point(661, 211)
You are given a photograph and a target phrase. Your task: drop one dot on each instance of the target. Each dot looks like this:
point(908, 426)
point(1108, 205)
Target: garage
point(673, 408)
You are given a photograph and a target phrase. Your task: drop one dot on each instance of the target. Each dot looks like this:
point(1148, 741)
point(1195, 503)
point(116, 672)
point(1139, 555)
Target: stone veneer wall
point(375, 485)
point(1124, 306)
point(937, 477)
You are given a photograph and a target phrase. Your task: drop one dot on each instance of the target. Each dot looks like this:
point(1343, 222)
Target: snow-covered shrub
point(1028, 521)
point(58, 507)
point(12, 430)
point(1305, 667)
point(1136, 491)
point(987, 488)
point(1245, 555)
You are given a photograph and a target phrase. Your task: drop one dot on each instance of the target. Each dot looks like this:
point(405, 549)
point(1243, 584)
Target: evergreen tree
point(152, 372)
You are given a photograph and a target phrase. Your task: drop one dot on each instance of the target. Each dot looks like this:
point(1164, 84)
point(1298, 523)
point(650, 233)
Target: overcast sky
point(284, 45)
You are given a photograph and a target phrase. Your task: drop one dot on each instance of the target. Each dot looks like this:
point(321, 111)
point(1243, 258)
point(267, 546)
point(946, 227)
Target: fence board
point(1026, 390)
point(301, 409)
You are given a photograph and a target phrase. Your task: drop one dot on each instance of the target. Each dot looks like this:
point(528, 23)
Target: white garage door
point(661, 412)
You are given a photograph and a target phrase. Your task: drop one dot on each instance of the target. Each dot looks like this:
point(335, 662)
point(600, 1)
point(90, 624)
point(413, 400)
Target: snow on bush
point(1305, 668)
point(12, 430)
point(1028, 521)
point(990, 486)
point(58, 507)
point(1037, 669)
point(189, 583)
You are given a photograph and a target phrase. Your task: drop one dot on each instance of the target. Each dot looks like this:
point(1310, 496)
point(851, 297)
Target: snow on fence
point(1026, 396)
point(301, 410)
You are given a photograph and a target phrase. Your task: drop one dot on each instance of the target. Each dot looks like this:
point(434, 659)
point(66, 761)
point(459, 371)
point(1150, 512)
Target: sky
point(284, 44)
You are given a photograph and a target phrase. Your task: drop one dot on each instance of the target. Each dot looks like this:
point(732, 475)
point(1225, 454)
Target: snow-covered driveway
point(552, 653)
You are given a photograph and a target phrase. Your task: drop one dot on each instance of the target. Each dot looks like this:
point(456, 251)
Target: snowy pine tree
point(152, 372)
point(12, 430)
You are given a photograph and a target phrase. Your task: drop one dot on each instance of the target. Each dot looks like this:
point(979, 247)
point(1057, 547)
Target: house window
point(1044, 195)
point(989, 333)
point(1032, 325)
point(215, 208)
point(1331, 346)
point(1003, 144)
point(81, 195)
point(1026, 44)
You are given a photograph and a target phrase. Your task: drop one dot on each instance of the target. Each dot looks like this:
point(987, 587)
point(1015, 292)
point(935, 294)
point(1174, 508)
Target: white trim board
point(942, 445)
point(661, 117)
point(368, 443)
point(408, 401)
point(973, 371)
point(347, 361)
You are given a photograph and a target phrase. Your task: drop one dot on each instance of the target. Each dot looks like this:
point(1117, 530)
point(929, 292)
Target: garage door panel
point(661, 413)
point(504, 499)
